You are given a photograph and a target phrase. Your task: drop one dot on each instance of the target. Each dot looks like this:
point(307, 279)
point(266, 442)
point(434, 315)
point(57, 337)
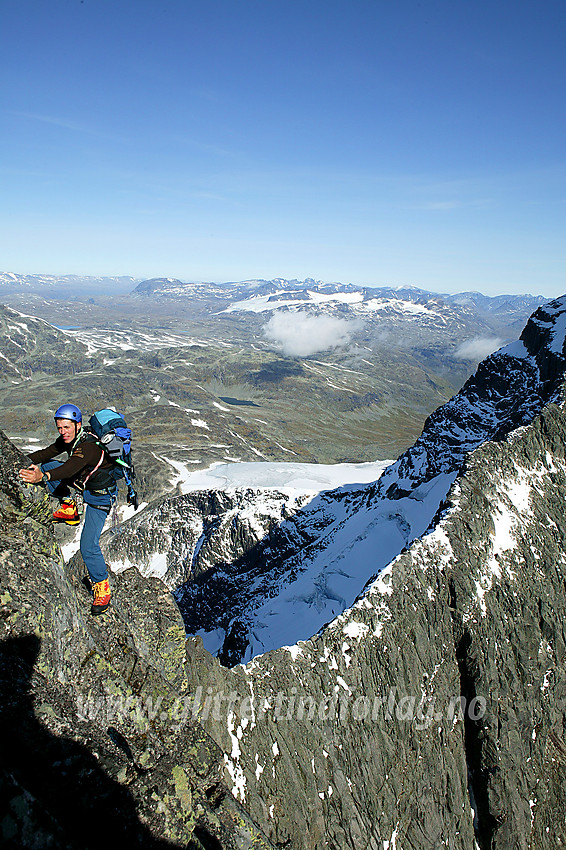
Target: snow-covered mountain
point(288, 566)
point(431, 713)
point(408, 302)
point(166, 287)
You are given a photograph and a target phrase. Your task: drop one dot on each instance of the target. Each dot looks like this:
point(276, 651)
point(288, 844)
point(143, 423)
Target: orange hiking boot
point(101, 601)
point(67, 512)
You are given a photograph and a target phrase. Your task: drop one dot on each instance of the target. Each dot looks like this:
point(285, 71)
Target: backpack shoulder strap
point(95, 469)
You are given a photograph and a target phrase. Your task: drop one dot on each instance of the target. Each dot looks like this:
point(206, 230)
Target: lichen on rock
point(92, 735)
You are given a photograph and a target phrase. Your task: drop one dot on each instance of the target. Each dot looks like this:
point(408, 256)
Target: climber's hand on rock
point(31, 475)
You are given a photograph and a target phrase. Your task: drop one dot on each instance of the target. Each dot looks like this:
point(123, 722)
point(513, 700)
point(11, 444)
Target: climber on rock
point(89, 471)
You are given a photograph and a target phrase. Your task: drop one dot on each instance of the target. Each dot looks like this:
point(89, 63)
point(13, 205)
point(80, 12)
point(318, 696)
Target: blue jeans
point(98, 507)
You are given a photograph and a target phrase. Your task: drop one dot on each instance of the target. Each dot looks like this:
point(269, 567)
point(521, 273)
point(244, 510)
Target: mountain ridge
point(235, 547)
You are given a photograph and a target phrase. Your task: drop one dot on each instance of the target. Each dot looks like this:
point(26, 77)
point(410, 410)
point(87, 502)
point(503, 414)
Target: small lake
point(242, 402)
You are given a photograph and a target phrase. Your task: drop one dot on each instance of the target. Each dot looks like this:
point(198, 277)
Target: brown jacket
point(84, 455)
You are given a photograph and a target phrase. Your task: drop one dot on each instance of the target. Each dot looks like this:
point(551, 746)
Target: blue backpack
point(115, 438)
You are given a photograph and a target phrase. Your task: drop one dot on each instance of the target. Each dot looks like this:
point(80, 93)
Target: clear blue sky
point(374, 142)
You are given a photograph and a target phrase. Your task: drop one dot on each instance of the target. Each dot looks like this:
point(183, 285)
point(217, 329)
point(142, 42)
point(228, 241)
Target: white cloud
point(478, 348)
point(300, 334)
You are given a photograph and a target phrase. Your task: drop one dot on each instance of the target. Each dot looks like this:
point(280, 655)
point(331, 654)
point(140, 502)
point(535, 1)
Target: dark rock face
point(91, 732)
point(439, 699)
point(507, 391)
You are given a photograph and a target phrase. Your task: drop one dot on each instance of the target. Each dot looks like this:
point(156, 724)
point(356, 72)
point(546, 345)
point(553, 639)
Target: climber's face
point(67, 429)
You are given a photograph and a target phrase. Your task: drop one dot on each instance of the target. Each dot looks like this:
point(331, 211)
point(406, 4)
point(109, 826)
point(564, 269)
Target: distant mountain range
point(252, 370)
point(261, 296)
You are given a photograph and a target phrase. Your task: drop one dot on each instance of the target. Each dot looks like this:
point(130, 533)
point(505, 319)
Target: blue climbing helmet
point(68, 411)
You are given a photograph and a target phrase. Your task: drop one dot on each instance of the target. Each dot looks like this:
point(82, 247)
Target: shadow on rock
point(54, 790)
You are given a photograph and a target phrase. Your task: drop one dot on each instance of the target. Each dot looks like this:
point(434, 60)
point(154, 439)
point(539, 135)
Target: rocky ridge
point(432, 712)
point(90, 733)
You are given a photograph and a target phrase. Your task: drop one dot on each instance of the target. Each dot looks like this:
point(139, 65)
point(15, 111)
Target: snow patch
point(355, 630)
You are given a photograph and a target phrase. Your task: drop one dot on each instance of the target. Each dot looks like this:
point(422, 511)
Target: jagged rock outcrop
point(90, 738)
